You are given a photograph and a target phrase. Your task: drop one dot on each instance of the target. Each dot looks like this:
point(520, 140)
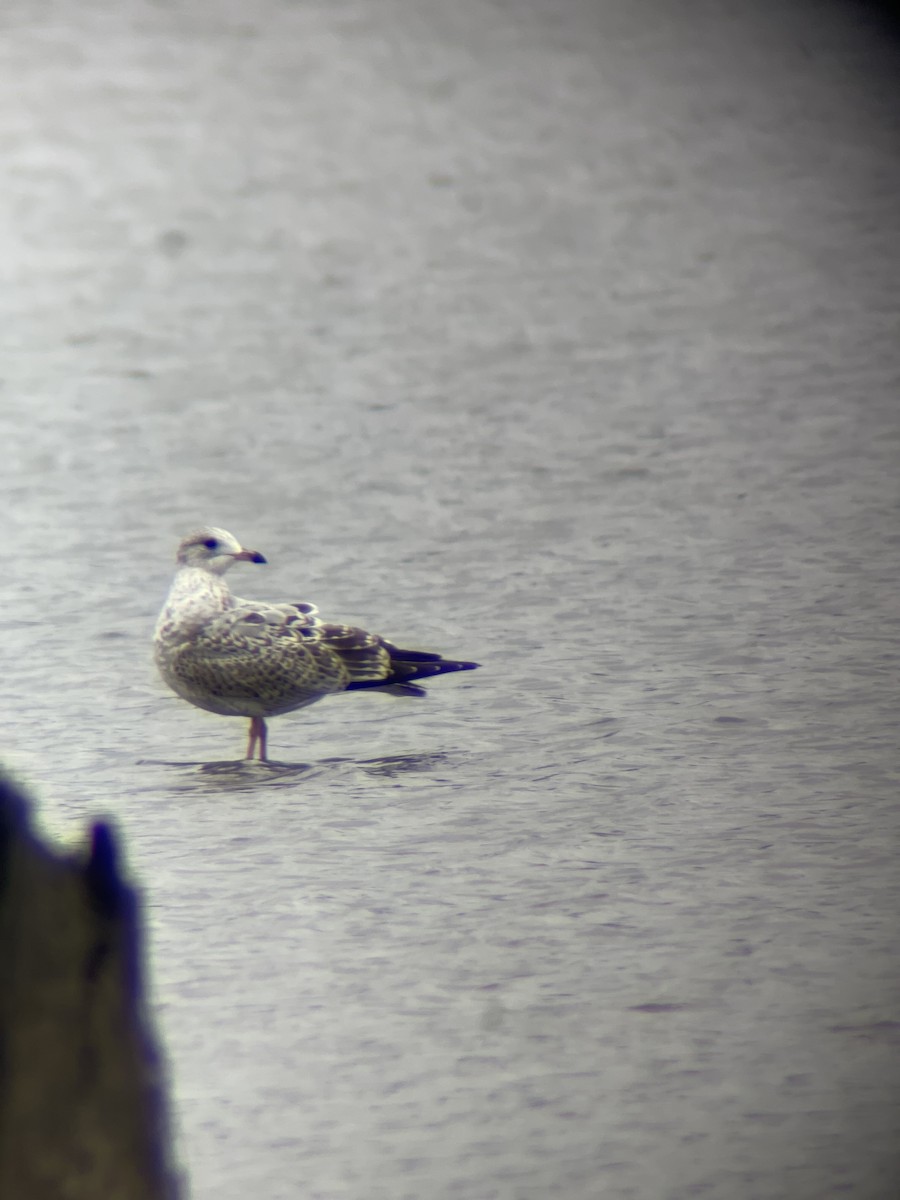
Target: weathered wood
point(83, 1114)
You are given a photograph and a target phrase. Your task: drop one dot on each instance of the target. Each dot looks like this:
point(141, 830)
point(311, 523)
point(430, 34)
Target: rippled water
point(561, 338)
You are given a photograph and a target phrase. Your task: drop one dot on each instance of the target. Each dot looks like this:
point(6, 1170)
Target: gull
point(247, 658)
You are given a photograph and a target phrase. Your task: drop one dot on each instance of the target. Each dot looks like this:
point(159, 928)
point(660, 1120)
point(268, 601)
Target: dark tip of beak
point(257, 557)
point(248, 556)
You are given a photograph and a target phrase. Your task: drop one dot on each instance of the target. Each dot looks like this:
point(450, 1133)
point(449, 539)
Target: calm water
point(560, 336)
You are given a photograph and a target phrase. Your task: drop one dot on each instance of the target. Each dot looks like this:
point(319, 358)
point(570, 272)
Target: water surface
point(561, 338)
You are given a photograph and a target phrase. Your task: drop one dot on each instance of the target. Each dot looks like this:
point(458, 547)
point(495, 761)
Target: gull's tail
point(409, 665)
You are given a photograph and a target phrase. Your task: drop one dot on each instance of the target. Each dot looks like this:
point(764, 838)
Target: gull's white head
point(213, 550)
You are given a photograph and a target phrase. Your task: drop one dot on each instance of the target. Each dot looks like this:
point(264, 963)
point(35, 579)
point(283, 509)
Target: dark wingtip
point(443, 666)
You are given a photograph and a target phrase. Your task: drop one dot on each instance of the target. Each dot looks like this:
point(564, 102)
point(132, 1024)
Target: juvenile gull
point(246, 658)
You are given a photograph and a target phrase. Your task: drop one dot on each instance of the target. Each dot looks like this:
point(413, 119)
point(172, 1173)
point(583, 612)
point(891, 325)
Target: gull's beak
point(248, 556)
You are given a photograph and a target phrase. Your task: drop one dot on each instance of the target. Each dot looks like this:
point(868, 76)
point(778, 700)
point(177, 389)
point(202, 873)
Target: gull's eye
point(211, 544)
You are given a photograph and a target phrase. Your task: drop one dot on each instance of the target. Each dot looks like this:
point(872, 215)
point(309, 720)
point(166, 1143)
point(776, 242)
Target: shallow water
point(563, 341)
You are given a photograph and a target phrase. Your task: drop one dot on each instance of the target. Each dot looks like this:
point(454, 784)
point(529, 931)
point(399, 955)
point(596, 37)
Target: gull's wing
point(277, 656)
point(363, 656)
point(283, 657)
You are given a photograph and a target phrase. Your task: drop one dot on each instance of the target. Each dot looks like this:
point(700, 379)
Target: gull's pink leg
point(258, 733)
point(253, 738)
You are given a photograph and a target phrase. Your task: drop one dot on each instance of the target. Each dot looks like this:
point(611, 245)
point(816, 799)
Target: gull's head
point(214, 550)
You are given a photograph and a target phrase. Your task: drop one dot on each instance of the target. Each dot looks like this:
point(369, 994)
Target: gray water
point(557, 335)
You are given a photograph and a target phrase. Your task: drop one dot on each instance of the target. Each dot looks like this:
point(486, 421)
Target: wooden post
point(83, 1114)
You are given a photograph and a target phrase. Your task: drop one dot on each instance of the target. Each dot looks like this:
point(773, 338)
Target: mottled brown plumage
point(252, 659)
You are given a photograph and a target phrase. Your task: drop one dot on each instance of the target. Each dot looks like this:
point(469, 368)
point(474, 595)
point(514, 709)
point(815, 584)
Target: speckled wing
point(264, 659)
